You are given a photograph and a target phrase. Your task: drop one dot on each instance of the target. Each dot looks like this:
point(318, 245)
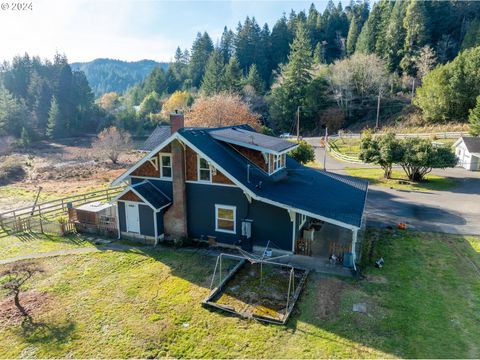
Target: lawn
point(400, 181)
point(425, 302)
point(13, 246)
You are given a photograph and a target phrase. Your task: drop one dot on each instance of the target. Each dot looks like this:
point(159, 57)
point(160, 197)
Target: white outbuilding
point(467, 150)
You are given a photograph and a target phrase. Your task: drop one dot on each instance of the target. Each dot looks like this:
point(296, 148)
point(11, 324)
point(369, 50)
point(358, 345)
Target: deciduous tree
point(221, 110)
point(474, 119)
point(111, 142)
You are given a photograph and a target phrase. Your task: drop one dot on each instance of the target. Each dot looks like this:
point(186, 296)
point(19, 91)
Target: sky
point(126, 29)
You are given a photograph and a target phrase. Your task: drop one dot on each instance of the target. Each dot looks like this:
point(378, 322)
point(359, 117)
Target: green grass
point(12, 246)
point(375, 177)
point(347, 146)
point(424, 303)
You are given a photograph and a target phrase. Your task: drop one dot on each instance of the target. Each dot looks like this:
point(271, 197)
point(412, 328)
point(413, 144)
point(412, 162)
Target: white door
point(133, 219)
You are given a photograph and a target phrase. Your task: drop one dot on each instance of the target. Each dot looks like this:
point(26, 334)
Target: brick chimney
point(175, 219)
point(177, 121)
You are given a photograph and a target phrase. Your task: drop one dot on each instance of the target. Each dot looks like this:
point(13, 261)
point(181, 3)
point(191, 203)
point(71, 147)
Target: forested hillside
point(364, 63)
point(332, 67)
point(106, 75)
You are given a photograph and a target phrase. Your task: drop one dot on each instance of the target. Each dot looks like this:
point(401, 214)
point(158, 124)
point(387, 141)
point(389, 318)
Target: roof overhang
point(254, 146)
point(132, 189)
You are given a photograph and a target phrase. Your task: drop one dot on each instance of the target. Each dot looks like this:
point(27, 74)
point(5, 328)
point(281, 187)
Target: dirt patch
point(34, 302)
point(377, 279)
point(329, 296)
point(260, 291)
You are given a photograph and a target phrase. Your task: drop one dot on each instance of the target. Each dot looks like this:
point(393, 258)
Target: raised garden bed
point(264, 290)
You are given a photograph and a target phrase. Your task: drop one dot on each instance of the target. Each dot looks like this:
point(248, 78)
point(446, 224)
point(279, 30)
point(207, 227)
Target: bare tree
point(425, 61)
point(111, 142)
point(15, 277)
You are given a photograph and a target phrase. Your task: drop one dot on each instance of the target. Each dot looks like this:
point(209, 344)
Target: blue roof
point(152, 194)
point(332, 196)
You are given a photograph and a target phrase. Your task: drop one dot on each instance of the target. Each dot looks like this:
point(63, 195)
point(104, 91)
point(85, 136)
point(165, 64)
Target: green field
point(424, 303)
point(400, 181)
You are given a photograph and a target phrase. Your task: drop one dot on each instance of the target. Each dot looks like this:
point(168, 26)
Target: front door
point(133, 219)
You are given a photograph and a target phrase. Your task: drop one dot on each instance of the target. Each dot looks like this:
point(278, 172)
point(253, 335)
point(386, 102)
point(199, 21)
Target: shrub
point(11, 171)
point(304, 153)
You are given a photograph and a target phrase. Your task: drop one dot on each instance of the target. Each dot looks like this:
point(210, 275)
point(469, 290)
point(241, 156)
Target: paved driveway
point(454, 211)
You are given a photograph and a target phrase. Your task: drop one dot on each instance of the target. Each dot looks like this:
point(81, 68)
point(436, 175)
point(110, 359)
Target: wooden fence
point(15, 220)
point(337, 155)
point(39, 225)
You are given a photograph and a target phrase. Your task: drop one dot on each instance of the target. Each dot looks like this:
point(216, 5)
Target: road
point(454, 211)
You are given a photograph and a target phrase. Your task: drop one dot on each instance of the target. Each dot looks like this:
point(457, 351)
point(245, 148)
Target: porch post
point(354, 243)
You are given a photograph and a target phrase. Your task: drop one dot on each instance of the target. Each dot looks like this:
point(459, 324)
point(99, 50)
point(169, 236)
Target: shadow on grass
point(53, 334)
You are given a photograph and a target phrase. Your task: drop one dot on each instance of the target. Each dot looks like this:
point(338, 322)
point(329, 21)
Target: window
point(166, 166)
point(278, 162)
point(204, 171)
point(225, 218)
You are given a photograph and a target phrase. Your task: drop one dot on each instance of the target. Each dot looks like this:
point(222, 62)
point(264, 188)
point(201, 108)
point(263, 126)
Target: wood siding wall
point(147, 169)
point(191, 169)
point(130, 196)
point(254, 156)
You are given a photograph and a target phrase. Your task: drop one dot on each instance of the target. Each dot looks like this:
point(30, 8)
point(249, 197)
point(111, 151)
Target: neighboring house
point(234, 186)
point(467, 150)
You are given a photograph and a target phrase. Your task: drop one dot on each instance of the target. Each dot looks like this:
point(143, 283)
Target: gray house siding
point(147, 226)
point(164, 185)
point(159, 216)
point(269, 222)
point(121, 216)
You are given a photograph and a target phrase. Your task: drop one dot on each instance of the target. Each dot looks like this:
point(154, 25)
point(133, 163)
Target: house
point(234, 186)
point(467, 150)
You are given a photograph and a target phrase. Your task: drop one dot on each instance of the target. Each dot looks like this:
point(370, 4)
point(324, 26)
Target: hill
point(106, 75)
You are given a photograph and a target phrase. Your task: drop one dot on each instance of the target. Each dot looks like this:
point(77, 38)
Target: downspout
point(354, 242)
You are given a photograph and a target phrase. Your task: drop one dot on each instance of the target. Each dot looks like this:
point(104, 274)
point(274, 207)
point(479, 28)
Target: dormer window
point(204, 170)
point(278, 162)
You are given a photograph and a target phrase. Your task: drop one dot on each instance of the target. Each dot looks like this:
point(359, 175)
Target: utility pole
point(413, 88)
point(378, 110)
point(298, 123)
point(325, 149)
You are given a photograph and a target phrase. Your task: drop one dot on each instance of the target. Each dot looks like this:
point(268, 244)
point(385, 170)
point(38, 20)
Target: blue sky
point(127, 29)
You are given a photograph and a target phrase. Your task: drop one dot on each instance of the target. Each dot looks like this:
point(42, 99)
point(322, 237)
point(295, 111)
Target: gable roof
point(149, 193)
point(335, 198)
point(472, 143)
point(159, 135)
point(247, 137)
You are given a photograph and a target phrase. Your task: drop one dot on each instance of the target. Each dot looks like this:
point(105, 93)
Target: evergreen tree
point(54, 120)
point(472, 35)
point(395, 36)
point(417, 33)
point(352, 37)
point(474, 119)
point(12, 113)
point(25, 138)
point(214, 81)
point(233, 76)
point(295, 78)
point(227, 44)
point(280, 39)
point(201, 49)
point(254, 80)
point(156, 81)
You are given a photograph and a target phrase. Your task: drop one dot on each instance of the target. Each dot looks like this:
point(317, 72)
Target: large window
point(225, 218)
point(204, 170)
point(166, 166)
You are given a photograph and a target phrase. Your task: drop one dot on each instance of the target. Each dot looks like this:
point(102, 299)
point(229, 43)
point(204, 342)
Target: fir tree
point(54, 121)
point(201, 50)
point(474, 119)
point(352, 37)
point(254, 80)
point(233, 76)
point(295, 78)
point(395, 36)
point(25, 138)
point(213, 81)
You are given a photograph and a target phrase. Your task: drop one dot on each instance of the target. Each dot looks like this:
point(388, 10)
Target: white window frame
point(160, 165)
point(277, 163)
point(226, 207)
point(198, 170)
